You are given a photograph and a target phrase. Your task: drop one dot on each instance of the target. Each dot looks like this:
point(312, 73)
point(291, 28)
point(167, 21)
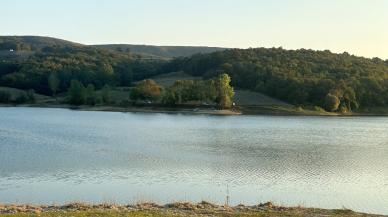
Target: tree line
point(213, 91)
point(216, 90)
point(78, 94)
point(336, 82)
point(86, 64)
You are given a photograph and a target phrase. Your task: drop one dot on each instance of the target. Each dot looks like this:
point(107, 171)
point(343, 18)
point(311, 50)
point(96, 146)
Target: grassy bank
point(174, 209)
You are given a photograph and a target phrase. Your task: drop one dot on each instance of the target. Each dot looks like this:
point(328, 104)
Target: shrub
point(331, 102)
point(5, 96)
point(319, 109)
point(22, 98)
point(146, 90)
point(31, 96)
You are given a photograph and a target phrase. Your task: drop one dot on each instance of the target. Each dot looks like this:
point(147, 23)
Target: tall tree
point(105, 94)
point(331, 103)
point(76, 93)
point(146, 90)
point(225, 92)
point(53, 82)
point(90, 95)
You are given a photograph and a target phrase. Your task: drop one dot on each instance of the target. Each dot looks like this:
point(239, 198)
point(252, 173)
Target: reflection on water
point(58, 155)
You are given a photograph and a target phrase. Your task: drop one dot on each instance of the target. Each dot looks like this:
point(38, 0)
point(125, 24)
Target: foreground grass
point(169, 210)
point(170, 213)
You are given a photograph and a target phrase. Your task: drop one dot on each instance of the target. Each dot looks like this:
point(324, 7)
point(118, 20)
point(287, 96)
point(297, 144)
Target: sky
point(358, 27)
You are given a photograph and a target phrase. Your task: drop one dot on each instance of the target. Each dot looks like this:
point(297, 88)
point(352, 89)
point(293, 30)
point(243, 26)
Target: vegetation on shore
point(175, 209)
point(217, 91)
point(335, 82)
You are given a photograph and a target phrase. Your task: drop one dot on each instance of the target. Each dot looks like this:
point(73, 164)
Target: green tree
point(169, 97)
point(208, 90)
point(350, 99)
point(5, 96)
point(225, 92)
point(21, 98)
point(25, 97)
point(105, 73)
point(31, 96)
point(76, 93)
point(347, 97)
point(331, 103)
point(53, 82)
point(146, 90)
point(105, 94)
point(90, 95)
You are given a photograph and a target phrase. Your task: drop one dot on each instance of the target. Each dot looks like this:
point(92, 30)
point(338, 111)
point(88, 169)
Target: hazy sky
point(357, 26)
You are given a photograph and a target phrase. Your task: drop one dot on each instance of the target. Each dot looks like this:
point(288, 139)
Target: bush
point(331, 103)
point(299, 109)
point(343, 109)
point(22, 98)
point(30, 96)
point(319, 109)
point(5, 96)
point(146, 90)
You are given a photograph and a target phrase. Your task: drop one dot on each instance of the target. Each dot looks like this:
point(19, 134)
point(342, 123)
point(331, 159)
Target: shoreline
point(140, 109)
point(243, 110)
point(172, 209)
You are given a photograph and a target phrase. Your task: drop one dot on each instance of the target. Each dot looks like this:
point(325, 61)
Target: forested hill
point(32, 43)
point(38, 43)
point(161, 51)
point(27, 62)
point(301, 77)
point(305, 77)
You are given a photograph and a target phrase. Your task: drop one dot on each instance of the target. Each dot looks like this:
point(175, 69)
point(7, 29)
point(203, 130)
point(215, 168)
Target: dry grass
point(174, 209)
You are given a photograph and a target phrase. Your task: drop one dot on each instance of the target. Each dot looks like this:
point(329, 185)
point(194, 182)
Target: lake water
point(57, 156)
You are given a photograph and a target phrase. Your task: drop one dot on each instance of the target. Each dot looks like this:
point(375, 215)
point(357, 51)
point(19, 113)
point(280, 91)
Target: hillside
point(26, 62)
point(22, 47)
point(38, 43)
point(336, 82)
point(32, 43)
point(161, 51)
